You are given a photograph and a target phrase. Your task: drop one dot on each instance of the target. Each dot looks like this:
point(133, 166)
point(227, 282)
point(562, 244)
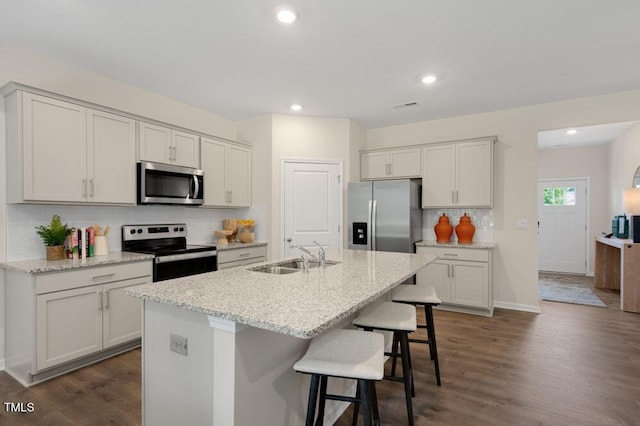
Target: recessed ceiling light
point(286, 15)
point(572, 131)
point(296, 107)
point(429, 79)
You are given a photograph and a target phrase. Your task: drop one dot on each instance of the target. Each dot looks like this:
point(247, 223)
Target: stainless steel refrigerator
point(384, 215)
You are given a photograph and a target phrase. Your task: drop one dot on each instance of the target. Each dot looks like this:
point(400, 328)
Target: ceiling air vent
point(405, 105)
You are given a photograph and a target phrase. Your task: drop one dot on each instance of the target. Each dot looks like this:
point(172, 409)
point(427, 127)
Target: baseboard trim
point(517, 307)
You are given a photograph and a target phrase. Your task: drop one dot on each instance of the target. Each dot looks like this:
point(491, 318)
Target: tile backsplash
point(23, 243)
point(481, 218)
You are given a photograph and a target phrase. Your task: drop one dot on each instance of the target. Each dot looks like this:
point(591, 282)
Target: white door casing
point(563, 229)
point(311, 204)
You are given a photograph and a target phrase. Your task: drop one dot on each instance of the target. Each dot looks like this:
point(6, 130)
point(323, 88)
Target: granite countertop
point(38, 266)
point(455, 244)
point(232, 246)
point(299, 304)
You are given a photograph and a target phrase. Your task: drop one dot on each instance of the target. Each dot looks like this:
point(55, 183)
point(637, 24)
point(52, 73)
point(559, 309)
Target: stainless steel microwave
point(167, 184)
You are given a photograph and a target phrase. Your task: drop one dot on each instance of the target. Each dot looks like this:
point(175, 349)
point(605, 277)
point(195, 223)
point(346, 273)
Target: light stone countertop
point(299, 304)
point(455, 244)
point(233, 246)
point(39, 266)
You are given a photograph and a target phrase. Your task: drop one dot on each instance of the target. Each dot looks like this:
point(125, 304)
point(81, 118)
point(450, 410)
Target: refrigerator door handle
point(373, 227)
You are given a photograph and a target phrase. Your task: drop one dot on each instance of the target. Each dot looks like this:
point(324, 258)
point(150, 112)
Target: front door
point(562, 225)
point(311, 205)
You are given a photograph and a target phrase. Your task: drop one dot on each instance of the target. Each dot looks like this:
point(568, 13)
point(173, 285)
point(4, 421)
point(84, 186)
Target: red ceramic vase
point(443, 229)
point(465, 230)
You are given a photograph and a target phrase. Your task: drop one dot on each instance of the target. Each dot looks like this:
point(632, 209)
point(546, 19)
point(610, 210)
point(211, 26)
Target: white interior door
point(562, 225)
point(312, 205)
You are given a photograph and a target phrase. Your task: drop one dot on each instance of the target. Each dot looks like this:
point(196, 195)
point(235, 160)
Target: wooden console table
point(618, 267)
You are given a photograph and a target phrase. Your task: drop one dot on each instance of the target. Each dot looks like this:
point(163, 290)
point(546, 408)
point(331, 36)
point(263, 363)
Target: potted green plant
point(53, 237)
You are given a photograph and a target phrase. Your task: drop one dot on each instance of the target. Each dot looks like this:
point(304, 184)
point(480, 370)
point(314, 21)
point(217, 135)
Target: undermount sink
point(289, 266)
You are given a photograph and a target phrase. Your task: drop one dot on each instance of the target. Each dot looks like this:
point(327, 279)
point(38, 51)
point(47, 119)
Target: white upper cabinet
point(390, 164)
point(59, 151)
point(111, 158)
point(164, 145)
point(458, 174)
point(227, 174)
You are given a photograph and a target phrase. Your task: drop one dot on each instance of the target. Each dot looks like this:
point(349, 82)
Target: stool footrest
point(342, 398)
point(420, 341)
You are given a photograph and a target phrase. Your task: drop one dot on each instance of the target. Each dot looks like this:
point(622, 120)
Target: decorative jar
point(465, 230)
point(443, 229)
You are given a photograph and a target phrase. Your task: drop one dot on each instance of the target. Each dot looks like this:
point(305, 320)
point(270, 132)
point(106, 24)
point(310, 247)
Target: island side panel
point(630, 289)
point(227, 378)
point(177, 389)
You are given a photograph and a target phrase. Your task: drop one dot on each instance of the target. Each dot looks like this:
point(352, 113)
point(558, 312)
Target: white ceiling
point(584, 136)
point(343, 58)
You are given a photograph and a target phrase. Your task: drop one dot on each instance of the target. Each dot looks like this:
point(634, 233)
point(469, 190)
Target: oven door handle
point(185, 256)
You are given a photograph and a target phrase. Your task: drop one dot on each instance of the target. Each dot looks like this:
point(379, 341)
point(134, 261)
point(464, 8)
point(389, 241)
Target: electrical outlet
point(178, 344)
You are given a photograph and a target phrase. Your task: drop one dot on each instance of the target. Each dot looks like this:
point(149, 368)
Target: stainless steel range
point(168, 242)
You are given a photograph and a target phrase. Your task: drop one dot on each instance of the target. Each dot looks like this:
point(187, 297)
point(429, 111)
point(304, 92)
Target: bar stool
point(401, 320)
point(350, 354)
point(421, 295)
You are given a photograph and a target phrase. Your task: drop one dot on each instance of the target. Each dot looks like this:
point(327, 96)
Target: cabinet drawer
point(65, 280)
point(234, 255)
point(473, 255)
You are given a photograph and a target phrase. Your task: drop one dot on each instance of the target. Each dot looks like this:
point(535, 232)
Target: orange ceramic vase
point(465, 230)
point(443, 229)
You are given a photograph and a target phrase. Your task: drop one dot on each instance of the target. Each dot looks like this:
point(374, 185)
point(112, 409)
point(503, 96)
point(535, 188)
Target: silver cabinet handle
point(453, 197)
point(84, 188)
point(247, 254)
point(230, 196)
point(101, 277)
point(450, 254)
point(175, 154)
point(91, 192)
point(456, 196)
point(106, 304)
point(170, 153)
point(99, 300)
point(453, 271)
point(390, 168)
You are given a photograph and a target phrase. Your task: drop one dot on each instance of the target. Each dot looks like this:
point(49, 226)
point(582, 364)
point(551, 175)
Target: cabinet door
point(154, 143)
point(373, 165)
point(214, 165)
point(470, 284)
point(55, 150)
point(239, 176)
point(111, 158)
point(405, 163)
point(186, 149)
point(474, 167)
point(122, 320)
point(438, 176)
point(436, 274)
point(69, 325)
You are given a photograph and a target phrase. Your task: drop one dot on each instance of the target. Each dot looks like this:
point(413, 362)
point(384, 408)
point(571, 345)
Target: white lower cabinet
point(229, 258)
point(461, 278)
point(77, 316)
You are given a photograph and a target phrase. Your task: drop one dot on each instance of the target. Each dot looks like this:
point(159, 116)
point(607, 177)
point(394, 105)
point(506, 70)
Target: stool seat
point(345, 353)
point(387, 316)
point(415, 294)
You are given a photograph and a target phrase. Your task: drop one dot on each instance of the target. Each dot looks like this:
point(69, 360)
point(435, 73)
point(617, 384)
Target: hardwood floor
point(569, 365)
point(106, 393)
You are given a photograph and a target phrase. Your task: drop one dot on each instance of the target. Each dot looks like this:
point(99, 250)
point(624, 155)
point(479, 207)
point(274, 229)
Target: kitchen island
point(218, 348)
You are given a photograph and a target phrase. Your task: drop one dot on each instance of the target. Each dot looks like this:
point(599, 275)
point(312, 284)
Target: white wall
point(516, 173)
point(591, 162)
point(624, 159)
point(304, 138)
point(257, 131)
